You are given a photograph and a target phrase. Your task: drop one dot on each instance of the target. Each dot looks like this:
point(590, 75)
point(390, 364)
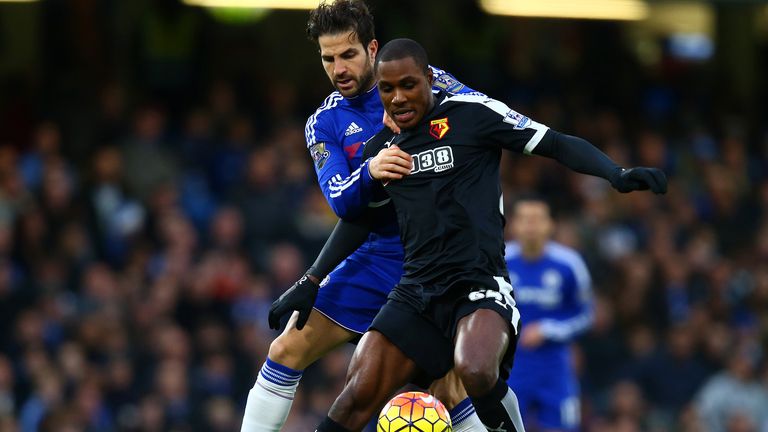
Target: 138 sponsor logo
point(437, 159)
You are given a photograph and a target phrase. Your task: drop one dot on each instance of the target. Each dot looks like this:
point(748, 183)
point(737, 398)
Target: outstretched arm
point(346, 237)
point(581, 156)
point(517, 132)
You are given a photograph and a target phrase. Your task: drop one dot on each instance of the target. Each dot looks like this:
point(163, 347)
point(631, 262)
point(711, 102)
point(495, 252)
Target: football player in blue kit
point(354, 292)
point(554, 295)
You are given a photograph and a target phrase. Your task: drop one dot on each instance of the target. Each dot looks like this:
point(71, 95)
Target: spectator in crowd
point(735, 399)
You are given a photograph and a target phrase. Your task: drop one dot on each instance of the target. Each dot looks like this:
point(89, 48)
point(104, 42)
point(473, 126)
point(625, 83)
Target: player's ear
point(373, 48)
point(430, 76)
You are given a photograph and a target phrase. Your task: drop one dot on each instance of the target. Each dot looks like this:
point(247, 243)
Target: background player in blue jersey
point(554, 295)
point(354, 292)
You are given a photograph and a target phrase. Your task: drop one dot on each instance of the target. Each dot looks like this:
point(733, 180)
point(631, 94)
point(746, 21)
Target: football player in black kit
point(453, 306)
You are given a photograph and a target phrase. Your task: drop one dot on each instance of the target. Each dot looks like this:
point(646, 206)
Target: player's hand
point(640, 178)
point(299, 297)
point(390, 164)
point(531, 336)
point(388, 122)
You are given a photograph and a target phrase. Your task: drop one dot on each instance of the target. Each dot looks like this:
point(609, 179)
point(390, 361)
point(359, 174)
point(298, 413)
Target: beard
point(361, 84)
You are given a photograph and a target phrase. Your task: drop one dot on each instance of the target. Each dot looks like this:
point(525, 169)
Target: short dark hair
point(397, 49)
point(532, 197)
point(341, 16)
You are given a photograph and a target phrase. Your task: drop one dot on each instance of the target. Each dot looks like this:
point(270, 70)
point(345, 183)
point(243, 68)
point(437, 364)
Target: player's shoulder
point(329, 103)
point(468, 98)
point(480, 105)
point(377, 142)
point(322, 114)
point(326, 108)
point(564, 255)
point(442, 80)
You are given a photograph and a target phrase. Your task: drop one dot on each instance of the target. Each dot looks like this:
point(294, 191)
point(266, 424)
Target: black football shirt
point(450, 207)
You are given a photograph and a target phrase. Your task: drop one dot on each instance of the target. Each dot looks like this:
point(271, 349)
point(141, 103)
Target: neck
point(431, 103)
point(367, 85)
point(531, 251)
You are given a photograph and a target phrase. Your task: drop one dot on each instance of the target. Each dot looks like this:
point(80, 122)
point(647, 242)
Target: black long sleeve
point(577, 154)
point(346, 237)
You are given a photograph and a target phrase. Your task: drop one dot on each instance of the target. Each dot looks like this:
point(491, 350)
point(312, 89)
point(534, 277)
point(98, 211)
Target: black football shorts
point(427, 337)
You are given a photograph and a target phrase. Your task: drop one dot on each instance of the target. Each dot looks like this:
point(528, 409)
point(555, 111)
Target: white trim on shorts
point(338, 323)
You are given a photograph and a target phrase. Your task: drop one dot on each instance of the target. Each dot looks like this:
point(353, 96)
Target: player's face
point(348, 64)
point(532, 224)
point(405, 90)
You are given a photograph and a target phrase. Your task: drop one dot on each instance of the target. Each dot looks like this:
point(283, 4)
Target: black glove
point(299, 297)
point(640, 178)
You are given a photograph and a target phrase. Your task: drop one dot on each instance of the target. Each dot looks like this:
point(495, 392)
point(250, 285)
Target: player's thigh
point(417, 337)
point(449, 389)
point(485, 335)
point(379, 362)
point(378, 369)
point(482, 337)
point(297, 349)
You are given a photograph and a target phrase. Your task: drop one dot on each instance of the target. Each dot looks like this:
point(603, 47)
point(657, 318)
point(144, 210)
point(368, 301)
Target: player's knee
point(283, 351)
point(478, 379)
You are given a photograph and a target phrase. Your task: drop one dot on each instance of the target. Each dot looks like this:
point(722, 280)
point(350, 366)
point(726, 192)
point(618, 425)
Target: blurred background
point(156, 195)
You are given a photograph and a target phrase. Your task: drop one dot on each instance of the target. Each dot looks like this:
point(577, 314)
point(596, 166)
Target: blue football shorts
point(353, 293)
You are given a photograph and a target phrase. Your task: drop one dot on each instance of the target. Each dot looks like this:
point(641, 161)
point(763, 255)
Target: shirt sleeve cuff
point(367, 179)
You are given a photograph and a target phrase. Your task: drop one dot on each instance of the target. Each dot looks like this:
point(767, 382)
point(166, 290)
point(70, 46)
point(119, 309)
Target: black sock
point(328, 425)
point(498, 409)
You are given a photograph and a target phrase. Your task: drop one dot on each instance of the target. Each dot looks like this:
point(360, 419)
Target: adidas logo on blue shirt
point(353, 128)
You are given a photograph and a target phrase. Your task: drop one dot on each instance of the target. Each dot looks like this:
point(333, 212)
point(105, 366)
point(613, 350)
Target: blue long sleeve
point(335, 154)
point(348, 193)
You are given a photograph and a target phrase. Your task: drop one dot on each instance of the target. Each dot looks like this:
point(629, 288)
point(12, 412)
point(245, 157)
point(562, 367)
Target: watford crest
point(438, 128)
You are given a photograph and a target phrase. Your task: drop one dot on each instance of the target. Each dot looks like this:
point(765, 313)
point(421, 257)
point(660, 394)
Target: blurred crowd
point(134, 285)
point(137, 266)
